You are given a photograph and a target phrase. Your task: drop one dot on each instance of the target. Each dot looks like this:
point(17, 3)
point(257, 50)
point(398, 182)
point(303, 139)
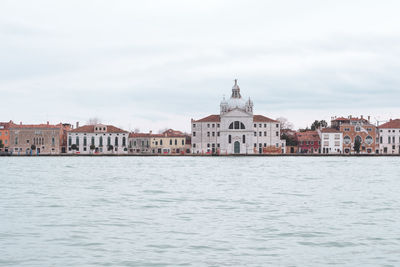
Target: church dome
point(236, 103)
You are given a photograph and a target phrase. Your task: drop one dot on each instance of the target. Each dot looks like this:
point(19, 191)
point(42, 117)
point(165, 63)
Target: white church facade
point(236, 130)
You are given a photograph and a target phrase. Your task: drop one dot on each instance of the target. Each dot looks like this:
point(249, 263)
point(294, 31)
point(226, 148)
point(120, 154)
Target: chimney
point(362, 117)
point(369, 118)
point(77, 124)
point(48, 123)
point(350, 117)
point(20, 123)
point(151, 132)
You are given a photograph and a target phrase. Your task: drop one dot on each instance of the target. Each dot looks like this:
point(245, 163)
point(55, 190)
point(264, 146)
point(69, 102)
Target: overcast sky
point(157, 64)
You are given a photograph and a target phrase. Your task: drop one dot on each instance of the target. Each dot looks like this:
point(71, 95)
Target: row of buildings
point(349, 135)
point(235, 130)
point(48, 139)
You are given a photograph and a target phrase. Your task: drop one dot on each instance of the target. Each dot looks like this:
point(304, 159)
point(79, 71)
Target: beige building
point(169, 142)
point(37, 139)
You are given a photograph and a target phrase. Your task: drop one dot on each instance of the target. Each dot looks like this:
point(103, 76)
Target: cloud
point(158, 64)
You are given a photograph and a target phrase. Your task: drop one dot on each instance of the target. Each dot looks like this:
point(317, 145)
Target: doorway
point(236, 148)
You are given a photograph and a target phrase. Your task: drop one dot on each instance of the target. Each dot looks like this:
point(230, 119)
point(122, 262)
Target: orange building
point(357, 129)
point(5, 135)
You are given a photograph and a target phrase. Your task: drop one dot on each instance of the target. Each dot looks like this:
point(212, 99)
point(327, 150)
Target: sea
point(199, 211)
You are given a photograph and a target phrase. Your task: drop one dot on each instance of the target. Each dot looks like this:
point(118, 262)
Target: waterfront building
point(389, 137)
point(139, 143)
point(359, 129)
point(236, 130)
point(5, 136)
point(97, 139)
point(309, 142)
point(36, 139)
point(168, 142)
point(331, 141)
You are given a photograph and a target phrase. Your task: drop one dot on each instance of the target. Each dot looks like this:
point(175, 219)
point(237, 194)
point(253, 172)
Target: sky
point(152, 65)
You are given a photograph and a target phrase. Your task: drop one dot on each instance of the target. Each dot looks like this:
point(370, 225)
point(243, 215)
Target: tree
point(290, 140)
point(285, 124)
point(357, 145)
point(319, 124)
point(93, 121)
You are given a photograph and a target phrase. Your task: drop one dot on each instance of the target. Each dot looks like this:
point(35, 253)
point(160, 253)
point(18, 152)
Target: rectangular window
point(277, 133)
point(255, 145)
point(208, 145)
point(217, 125)
point(265, 125)
point(170, 142)
point(260, 134)
point(176, 142)
point(213, 125)
point(208, 125)
point(255, 134)
point(217, 145)
point(208, 133)
point(194, 125)
point(255, 125)
point(244, 139)
point(388, 139)
point(194, 145)
point(260, 125)
point(265, 133)
point(213, 133)
point(217, 133)
point(183, 142)
point(229, 139)
point(277, 125)
point(194, 133)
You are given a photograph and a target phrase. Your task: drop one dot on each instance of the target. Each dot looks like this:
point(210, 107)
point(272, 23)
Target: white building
point(98, 139)
point(236, 130)
point(331, 141)
point(389, 137)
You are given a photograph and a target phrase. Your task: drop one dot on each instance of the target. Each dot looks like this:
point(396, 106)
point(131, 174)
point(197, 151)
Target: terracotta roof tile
point(90, 129)
point(211, 118)
point(261, 118)
point(308, 136)
point(391, 124)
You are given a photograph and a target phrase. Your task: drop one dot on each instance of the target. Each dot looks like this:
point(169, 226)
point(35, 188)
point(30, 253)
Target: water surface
point(191, 211)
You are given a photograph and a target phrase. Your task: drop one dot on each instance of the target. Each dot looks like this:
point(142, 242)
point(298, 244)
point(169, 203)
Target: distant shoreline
point(195, 155)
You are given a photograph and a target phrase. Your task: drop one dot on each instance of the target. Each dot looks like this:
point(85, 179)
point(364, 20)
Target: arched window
point(358, 138)
point(101, 141)
point(368, 140)
point(237, 125)
point(84, 141)
point(109, 141)
point(347, 140)
point(70, 141)
point(123, 141)
point(92, 141)
point(77, 141)
point(116, 141)
point(53, 141)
